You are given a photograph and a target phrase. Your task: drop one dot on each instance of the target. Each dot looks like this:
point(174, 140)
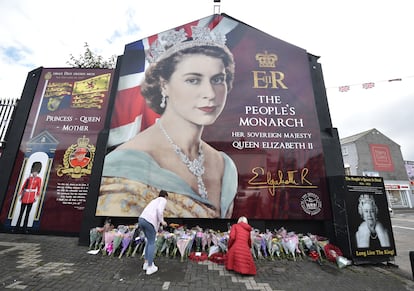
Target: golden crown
point(266, 60)
point(83, 142)
point(172, 41)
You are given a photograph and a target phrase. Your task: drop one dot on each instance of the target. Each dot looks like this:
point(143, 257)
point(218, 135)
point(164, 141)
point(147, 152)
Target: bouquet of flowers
point(116, 242)
point(96, 235)
point(173, 247)
point(108, 238)
point(95, 238)
point(198, 244)
point(126, 241)
point(207, 239)
point(257, 244)
point(290, 243)
point(183, 241)
point(137, 243)
point(319, 242)
point(273, 244)
point(159, 243)
point(222, 239)
point(218, 243)
point(199, 240)
point(308, 247)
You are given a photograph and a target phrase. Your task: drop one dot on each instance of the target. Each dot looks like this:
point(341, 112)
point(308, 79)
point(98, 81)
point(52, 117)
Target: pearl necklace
point(196, 166)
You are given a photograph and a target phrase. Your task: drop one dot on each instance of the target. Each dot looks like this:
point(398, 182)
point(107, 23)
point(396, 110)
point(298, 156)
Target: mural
point(57, 151)
point(220, 115)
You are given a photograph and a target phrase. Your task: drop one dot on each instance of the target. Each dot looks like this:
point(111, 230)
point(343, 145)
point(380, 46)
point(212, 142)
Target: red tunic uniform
point(239, 257)
point(31, 189)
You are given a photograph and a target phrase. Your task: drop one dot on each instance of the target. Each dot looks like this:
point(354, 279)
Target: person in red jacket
point(239, 256)
point(29, 193)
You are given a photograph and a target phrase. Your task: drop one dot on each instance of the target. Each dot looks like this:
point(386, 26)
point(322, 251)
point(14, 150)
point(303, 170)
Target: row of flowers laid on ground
point(199, 244)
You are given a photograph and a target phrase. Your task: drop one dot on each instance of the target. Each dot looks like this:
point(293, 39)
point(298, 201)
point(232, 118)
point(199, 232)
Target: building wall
point(366, 162)
point(350, 157)
point(357, 156)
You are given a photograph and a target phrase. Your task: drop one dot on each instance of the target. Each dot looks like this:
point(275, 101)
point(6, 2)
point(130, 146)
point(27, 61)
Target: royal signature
point(289, 179)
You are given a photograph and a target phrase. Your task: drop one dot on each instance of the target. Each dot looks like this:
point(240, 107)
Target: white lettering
point(62, 118)
point(278, 122)
point(75, 128)
point(88, 119)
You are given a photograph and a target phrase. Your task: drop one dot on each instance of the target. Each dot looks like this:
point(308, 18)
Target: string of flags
point(367, 85)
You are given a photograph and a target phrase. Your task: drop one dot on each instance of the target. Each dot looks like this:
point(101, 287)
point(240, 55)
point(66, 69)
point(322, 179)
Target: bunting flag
point(368, 85)
point(131, 114)
point(344, 88)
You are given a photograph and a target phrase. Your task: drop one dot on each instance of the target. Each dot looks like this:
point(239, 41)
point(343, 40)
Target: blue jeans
point(150, 233)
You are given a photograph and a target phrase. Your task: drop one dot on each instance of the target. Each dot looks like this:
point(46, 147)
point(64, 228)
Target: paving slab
point(45, 262)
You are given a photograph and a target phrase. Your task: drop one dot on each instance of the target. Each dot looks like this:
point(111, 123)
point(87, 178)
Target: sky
point(358, 42)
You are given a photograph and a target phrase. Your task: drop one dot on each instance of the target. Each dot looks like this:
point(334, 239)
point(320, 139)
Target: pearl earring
point(163, 101)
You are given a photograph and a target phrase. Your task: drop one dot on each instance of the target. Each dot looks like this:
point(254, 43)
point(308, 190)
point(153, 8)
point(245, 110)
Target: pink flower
point(108, 241)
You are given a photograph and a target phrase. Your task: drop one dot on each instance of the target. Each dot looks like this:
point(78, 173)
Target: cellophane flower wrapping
point(159, 243)
point(267, 238)
point(138, 242)
point(290, 243)
point(108, 242)
point(213, 250)
point(169, 244)
point(256, 244)
point(213, 245)
point(222, 241)
point(126, 240)
point(199, 241)
point(93, 237)
point(184, 241)
point(276, 247)
point(116, 242)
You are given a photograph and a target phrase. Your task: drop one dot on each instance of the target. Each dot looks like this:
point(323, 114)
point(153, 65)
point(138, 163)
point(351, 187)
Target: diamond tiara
point(172, 41)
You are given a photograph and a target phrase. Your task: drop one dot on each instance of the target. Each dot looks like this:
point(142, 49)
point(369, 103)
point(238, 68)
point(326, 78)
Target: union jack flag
point(131, 114)
point(344, 88)
point(368, 85)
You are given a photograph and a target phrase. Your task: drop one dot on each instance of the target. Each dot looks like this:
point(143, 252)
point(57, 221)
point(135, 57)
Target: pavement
point(46, 262)
point(402, 224)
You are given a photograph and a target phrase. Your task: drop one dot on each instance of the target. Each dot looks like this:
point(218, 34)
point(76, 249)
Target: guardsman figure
point(29, 193)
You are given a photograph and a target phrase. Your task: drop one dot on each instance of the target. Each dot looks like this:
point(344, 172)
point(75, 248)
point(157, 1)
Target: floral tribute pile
point(198, 245)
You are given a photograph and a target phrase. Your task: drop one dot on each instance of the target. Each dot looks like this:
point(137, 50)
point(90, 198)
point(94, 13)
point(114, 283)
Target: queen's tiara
point(366, 198)
point(172, 41)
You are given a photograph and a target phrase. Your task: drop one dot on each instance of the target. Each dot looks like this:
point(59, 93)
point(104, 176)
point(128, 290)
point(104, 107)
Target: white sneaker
point(152, 269)
point(145, 266)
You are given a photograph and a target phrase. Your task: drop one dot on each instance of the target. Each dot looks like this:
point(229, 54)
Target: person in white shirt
point(149, 221)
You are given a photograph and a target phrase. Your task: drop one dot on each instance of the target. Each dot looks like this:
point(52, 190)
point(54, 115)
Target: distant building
point(409, 166)
point(370, 153)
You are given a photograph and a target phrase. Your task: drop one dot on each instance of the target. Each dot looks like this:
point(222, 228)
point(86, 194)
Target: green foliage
point(89, 59)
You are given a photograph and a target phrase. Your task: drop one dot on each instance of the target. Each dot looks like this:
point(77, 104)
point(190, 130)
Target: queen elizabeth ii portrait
point(186, 83)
